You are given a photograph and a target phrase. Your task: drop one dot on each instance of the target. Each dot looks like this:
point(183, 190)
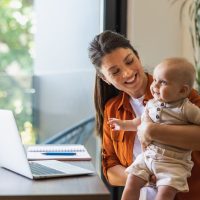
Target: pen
point(59, 153)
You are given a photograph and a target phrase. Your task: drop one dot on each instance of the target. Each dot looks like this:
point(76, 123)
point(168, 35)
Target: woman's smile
point(131, 80)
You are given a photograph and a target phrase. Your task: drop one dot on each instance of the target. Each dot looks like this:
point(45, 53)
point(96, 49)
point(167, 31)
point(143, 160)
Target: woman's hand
point(144, 130)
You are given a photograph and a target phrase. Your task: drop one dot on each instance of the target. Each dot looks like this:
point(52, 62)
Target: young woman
point(122, 90)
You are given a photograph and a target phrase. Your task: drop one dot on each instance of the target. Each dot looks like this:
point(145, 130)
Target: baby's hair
point(185, 71)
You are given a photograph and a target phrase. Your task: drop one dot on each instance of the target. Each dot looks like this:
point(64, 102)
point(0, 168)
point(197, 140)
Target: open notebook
point(13, 155)
point(58, 152)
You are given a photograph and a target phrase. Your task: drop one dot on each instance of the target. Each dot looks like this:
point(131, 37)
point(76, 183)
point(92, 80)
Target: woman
point(122, 89)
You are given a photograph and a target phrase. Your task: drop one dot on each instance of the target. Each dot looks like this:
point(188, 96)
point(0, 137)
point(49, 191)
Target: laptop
point(13, 155)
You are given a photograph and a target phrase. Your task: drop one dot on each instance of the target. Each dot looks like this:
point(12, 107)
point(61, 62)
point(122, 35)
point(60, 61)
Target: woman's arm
point(116, 175)
point(182, 136)
point(113, 170)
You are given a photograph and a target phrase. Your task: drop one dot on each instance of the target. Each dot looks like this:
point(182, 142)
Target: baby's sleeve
point(192, 113)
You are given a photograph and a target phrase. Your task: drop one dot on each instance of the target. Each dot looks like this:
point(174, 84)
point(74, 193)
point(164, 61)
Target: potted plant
point(193, 8)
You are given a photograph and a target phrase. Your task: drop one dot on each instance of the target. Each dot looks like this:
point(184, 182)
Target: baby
point(173, 80)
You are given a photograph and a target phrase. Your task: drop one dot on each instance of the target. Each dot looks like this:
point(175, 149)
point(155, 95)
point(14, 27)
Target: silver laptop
point(13, 155)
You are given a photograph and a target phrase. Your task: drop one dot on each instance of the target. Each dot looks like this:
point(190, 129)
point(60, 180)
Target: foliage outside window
point(16, 62)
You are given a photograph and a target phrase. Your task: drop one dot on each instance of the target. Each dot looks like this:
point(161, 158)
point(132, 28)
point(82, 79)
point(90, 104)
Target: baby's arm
point(126, 125)
point(192, 113)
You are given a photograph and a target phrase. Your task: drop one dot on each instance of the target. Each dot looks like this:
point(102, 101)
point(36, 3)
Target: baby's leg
point(166, 193)
point(132, 187)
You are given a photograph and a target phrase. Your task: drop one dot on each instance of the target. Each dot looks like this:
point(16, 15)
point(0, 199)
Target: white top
point(137, 105)
point(147, 193)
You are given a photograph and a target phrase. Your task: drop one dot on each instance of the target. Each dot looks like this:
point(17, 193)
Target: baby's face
point(165, 87)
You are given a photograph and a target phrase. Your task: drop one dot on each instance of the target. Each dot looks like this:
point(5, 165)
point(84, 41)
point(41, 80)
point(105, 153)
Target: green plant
point(16, 61)
point(193, 8)
point(197, 39)
point(16, 37)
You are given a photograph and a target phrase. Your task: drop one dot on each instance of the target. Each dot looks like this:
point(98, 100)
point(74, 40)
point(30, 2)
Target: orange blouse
point(117, 147)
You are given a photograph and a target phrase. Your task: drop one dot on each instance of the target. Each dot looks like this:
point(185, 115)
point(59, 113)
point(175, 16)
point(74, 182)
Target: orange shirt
point(117, 147)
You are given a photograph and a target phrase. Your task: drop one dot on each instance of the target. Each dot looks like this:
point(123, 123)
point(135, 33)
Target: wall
point(64, 30)
point(155, 30)
point(64, 77)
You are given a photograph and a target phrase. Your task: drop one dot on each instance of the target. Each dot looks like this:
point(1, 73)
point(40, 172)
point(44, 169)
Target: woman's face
point(123, 70)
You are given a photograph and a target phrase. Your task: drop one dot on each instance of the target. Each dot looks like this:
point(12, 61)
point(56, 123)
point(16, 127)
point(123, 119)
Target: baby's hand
point(144, 130)
point(115, 124)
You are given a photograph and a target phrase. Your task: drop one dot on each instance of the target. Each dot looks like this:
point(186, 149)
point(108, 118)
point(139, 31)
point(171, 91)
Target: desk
point(17, 187)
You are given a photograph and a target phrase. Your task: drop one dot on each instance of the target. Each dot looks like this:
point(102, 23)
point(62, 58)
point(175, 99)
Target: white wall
point(155, 30)
point(64, 29)
point(63, 72)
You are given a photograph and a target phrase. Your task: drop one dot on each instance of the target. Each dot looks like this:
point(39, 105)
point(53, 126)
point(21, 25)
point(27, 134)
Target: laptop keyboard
point(38, 169)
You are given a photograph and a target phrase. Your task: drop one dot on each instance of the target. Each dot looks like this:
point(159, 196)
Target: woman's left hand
point(144, 130)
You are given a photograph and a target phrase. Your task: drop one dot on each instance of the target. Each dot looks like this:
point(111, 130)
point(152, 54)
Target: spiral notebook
point(58, 152)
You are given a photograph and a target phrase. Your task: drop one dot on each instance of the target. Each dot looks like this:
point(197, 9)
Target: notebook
point(58, 152)
point(13, 156)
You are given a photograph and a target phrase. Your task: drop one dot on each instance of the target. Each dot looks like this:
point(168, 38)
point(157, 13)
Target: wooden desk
point(17, 187)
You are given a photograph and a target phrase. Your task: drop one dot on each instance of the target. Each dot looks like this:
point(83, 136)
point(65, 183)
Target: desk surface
point(15, 187)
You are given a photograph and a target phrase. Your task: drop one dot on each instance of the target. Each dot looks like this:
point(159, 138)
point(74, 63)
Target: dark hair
point(101, 45)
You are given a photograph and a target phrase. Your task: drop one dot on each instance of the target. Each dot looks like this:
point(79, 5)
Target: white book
point(58, 152)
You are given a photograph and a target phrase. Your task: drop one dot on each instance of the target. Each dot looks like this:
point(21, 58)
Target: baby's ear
point(185, 90)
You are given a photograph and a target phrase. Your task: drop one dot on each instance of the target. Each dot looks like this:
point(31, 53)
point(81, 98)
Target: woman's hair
point(101, 45)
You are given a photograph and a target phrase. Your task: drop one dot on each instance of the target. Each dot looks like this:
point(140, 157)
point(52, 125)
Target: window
point(44, 88)
point(16, 62)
